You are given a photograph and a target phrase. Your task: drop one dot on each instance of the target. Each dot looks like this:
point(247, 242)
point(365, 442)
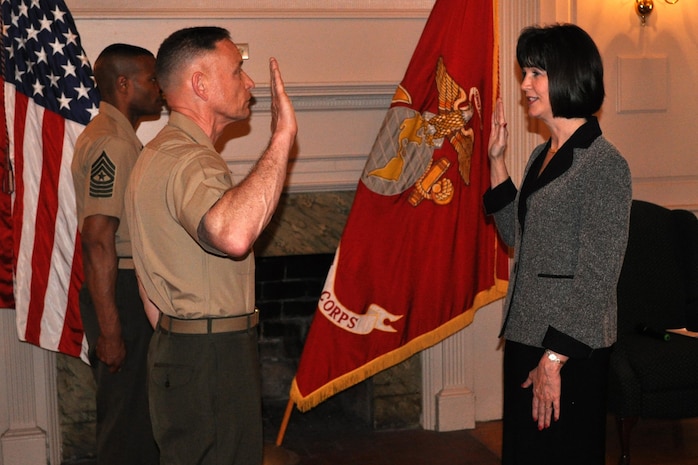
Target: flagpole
point(284, 422)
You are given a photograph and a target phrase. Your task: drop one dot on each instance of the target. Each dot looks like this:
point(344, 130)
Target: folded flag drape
point(49, 96)
point(417, 256)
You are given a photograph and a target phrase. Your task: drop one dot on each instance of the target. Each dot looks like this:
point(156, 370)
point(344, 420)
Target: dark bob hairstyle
point(572, 61)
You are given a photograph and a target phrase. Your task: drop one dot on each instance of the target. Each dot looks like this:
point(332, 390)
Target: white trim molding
point(333, 96)
point(29, 425)
point(238, 9)
point(666, 190)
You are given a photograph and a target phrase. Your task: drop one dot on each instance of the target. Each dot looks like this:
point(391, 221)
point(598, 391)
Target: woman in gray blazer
point(568, 225)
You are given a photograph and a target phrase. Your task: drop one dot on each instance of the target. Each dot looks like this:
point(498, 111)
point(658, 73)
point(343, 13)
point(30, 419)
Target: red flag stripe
point(7, 299)
point(67, 251)
point(51, 134)
point(72, 338)
point(18, 111)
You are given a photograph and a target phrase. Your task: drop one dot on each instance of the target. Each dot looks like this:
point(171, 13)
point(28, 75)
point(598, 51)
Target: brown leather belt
point(209, 325)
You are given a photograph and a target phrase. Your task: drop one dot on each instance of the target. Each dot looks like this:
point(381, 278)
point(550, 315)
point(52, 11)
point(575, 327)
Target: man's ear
point(121, 84)
point(199, 85)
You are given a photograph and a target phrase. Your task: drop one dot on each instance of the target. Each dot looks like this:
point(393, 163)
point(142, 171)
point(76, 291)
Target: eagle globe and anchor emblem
point(402, 157)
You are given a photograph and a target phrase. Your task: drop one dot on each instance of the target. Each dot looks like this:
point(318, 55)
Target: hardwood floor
point(331, 439)
point(653, 442)
point(326, 437)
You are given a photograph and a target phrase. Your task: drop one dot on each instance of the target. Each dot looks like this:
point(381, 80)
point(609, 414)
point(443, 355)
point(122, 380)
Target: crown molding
point(331, 96)
point(246, 9)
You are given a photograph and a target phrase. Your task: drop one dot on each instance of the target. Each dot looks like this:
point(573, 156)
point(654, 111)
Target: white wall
point(340, 67)
point(650, 113)
point(660, 137)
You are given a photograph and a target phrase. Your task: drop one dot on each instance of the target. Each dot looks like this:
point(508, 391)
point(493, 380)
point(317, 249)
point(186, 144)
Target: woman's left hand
point(546, 382)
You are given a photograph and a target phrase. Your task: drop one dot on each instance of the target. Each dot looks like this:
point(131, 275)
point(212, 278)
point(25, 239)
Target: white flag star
point(84, 60)
point(58, 14)
point(54, 79)
point(70, 38)
point(41, 56)
point(82, 91)
point(69, 69)
point(94, 111)
point(64, 101)
point(23, 9)
point(45, 24)
point(32, 33)
point(21, 42)
point(38, 88)
point(57, 47)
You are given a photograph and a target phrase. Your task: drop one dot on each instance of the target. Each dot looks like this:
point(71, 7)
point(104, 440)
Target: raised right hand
point(283, 116)
point(498, 133)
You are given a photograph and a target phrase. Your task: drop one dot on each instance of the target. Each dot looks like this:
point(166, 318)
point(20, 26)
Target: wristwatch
point(552, 356)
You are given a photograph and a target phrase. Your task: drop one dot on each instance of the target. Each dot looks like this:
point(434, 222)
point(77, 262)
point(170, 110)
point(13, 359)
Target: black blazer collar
point(561, 162)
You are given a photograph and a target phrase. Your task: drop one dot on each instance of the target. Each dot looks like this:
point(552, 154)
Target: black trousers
point(124, 431)
point(579, 436)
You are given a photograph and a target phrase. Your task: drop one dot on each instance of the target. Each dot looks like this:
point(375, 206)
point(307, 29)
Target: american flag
point(49, 97)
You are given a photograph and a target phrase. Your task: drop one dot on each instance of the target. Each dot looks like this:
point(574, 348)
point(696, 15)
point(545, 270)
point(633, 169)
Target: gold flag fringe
point(496, 292)
point(305, 403)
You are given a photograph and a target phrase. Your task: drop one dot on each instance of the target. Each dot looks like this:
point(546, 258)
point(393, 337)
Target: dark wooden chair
point(650, 376)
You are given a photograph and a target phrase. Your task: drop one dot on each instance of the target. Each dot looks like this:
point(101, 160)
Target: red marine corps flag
point(417, 256)
point(49, 96)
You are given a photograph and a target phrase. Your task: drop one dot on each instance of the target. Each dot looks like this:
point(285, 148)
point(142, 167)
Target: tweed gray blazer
point(569, 230)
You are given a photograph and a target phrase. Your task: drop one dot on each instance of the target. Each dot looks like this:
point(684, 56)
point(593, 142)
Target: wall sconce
point(645, 7)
